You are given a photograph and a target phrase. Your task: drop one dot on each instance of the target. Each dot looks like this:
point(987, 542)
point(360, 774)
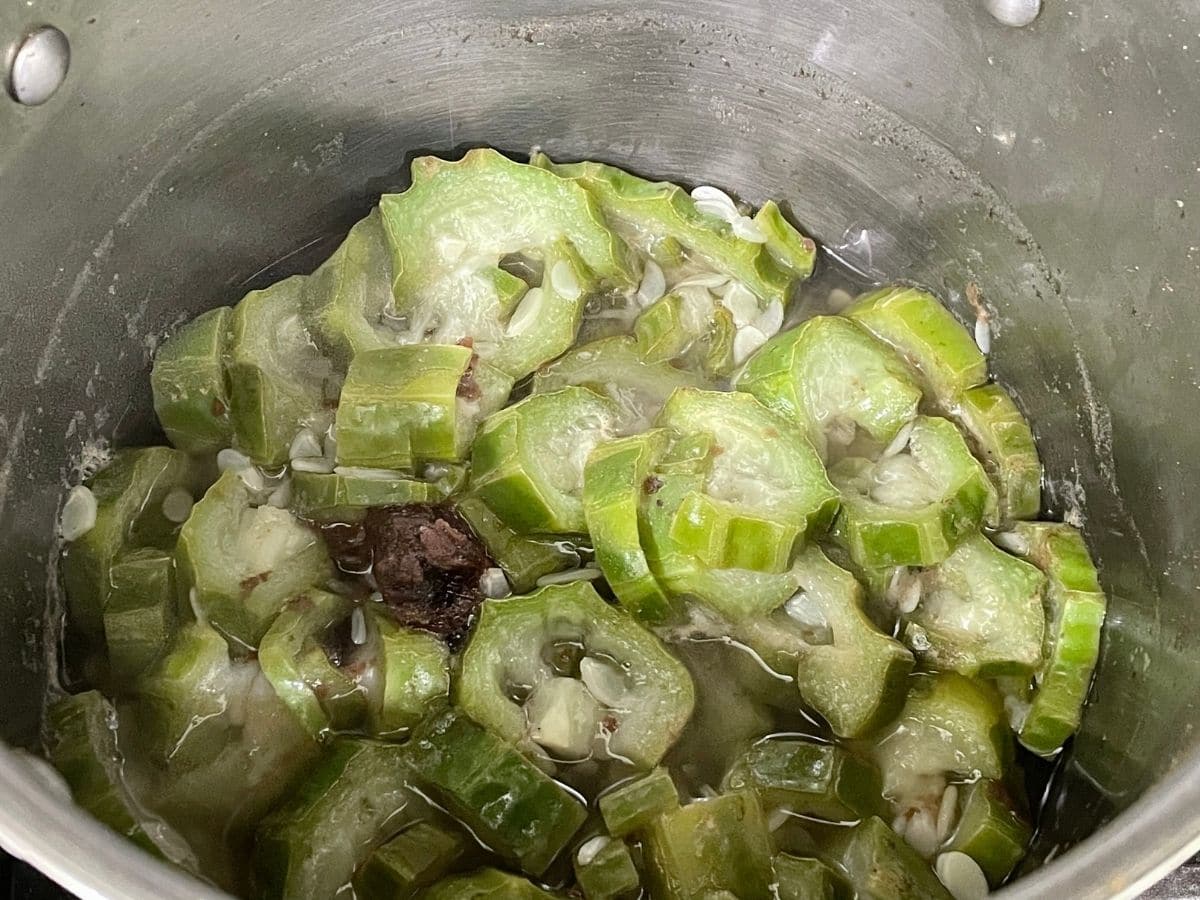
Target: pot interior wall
point(199, 151)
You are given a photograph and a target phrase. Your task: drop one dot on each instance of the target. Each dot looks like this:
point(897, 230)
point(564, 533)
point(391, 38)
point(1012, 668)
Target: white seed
point(305, 445)
point(230, 460)
point(748, 230)
point(527, 312)
point(319, 466)
point(741, 303)
point(177, 505)
point(900, 441)
point(78, 513)
point(900, 825)
point(708, 192)
point(910, 596)
point(368, 474)
point(747, 340)
point(253, 478)
point(1014, 13)
point(841, 431)
point(718, 210)
point(358, 626)
point(983, 335)
point(961, 875)
point(1012, 542)
point(710, 280)
point(771, 320)
point(603, 681)
point(922, 833)
point(494, 584)
point(838, 299)
point(808, 615)
point(585, 574)
point(562, 717)
point(563, 281)
point(281, 497)
point(947, 813)
point(589, 849)
point(1018, 711)
point(654, 284)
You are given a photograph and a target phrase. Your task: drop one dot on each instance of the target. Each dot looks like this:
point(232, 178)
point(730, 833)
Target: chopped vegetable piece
point(524, 560)
point(949, 725)
point(413, 859)
point(710, 846)
point(507, 801)
point(980, 613)
point(693, 329)
point(630, 807)
point(188, 379)
point(129, 495)
point(633, 696)
point(345, 495)
point(809, 778)
point(1075, 608)
point(486, 884)
point(805, 879)
point(83, 747)
point(410, 671)
point(881, 866)
point(990, 830)
point(352, 801)
point(925, 333)
point(613, 367)
point(649, 213)
point(293, 658)
point(279, 381)
point(407, 405)
point(528, 459)
point(605, 871)
point(452, 228)
point(765, 488)
point(846, 669)
point(140, 612)
point(241, 563)
point(912, 508)
point(613, 482)
point(837, 381)
point(1001, 437)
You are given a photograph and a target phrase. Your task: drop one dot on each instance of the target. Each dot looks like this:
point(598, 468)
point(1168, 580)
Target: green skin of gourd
point(628, 808)
point(191, 398)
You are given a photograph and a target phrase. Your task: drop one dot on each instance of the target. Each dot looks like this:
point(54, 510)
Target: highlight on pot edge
point(520, 551)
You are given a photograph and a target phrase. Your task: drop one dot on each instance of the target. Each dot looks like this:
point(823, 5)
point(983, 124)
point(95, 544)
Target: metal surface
point(228, 144)
point(38, 66)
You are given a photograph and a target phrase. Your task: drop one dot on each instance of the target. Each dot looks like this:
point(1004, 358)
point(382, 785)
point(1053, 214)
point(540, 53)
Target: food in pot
point(540, 544)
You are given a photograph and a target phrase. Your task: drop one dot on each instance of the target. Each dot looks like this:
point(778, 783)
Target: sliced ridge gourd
point(1075, 607)
point(279, 380)
point(523, 559)
point(837, 381)
point(613, 367)
point(650, 214)
point(402, 406)
point(347, 493)
point(990, 830)
point(604, 870)
point(912, 508)
point(191, 398)
point(413, 859)
point(353, 800)
point(882, 866)
point(804, 878)
point(82, 745)
point(510, 804)
point(980, 613)
point(708, 847)
point(449, 233)
point(613, 482)
point(129, 495)
point(944, 356)
point(292, 655)
point(1003, 440)
point(406, 673)
point(486, 884)
point(765, 489)
point(141, 611)
point(630, 807)
point(695, 329)
point(847, 671)
point(810, 778)
point(528, 459)
point(562, 670)
point(240, 563)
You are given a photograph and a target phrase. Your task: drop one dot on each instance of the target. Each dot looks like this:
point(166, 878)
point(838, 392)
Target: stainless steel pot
point(198, 150)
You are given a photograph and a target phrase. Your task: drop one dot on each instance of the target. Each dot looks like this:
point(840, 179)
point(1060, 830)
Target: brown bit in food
point(652, 485)
point(249, 584)
point(427, 564)
point(468, 387)
point(218, 408)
